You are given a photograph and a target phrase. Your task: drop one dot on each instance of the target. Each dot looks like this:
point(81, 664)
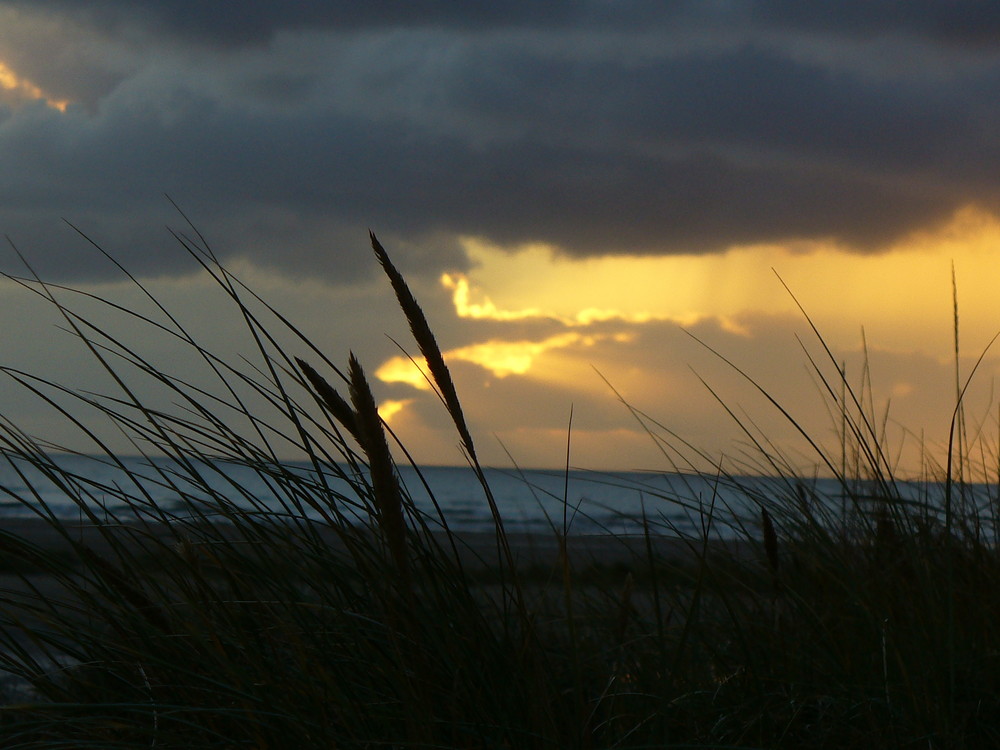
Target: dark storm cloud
point(597, 127)
point(975, 22)
point(251, 21)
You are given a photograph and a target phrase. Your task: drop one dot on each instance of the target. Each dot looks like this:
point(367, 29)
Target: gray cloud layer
point(967, 22)
point(288, 128)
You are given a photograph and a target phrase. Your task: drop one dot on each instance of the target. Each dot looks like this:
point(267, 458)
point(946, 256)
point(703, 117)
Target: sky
point(592, 201)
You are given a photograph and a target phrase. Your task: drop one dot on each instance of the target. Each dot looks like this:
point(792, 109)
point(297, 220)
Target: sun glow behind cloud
point(404, 370)
point(601, 307)
point(901, 295)
point(21, 89)
point(488, 310)
point(391, 407)
point(499, 358)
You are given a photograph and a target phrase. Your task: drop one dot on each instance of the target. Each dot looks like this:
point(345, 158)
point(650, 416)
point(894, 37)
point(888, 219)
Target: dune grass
point(351, 619)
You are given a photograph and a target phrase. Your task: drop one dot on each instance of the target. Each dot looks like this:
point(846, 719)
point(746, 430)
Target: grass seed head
point(388, 498)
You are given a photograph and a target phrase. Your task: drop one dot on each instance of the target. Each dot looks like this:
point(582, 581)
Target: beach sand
point(475, 548)
point(538, 556)
point(477, 551)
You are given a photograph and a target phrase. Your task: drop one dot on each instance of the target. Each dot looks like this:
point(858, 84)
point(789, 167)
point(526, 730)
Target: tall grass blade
point(428, 346)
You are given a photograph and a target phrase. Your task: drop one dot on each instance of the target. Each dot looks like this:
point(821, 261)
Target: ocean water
point(579, 502)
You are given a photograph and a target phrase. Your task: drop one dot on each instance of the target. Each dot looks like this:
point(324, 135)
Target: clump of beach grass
point(350, 618)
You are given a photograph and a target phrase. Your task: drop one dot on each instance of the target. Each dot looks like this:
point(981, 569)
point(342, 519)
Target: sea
point(81, 487)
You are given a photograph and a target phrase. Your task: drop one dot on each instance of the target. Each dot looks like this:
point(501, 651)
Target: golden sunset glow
point(464, 308)
point(487, 310)
point(501, 358)
point(390, 408)
point(841, 290)
point(604, 304)
point(403, 370)
point(24, 89)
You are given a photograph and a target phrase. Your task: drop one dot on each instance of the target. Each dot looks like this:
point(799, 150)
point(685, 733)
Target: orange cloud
point(501, 358)
point(486, 309)
point(21, 89)
point(902, 295)
point(732, 299)
point(459, 285)
point(391, 407)
point(504, 358)
point(404, 370)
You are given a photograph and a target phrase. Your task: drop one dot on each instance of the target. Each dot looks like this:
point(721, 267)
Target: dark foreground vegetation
point(870, 624)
